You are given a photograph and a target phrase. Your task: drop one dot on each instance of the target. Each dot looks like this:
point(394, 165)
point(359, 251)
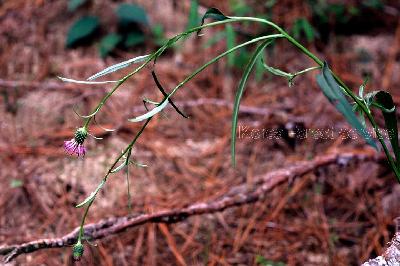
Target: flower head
point(77, 251)
point(75, 145)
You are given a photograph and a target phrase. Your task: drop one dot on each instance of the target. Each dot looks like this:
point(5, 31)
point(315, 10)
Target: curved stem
point(215, 59)
point(153, 57)
point(341, 83)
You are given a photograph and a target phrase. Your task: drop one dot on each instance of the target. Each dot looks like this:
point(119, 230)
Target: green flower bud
point(77, 251)
point(80, 135)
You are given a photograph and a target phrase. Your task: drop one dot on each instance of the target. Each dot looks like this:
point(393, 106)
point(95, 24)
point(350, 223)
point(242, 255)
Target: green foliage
point(82, 30)
point(383, 100)
point(131, 13)
point(332, 87)
point(75, 4)
point(264, 262)
point(301, 25)
point(214, 14)
point(335, 95)
point(193, 19)
point(240, 7)
point(108, 43)
point(132, 19)
point(239, 94)
point(134, 38)
point(158, 34)
point(230, 43)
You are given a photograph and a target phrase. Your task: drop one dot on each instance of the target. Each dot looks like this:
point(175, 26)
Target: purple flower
point(75, 145)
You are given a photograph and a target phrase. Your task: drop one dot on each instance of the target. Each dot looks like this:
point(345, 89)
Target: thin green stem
point(103, 181)
point(149, 59)
point(215, 59)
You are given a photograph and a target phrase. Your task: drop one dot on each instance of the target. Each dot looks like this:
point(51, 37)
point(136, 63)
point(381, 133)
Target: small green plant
point(331, 85)
point(131, 27)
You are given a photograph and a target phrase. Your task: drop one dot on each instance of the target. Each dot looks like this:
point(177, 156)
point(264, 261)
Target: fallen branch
point(391, 257)
point(238, 195)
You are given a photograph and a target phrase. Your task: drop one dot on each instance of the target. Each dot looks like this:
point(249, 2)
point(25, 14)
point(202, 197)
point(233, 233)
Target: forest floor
point(342, 214)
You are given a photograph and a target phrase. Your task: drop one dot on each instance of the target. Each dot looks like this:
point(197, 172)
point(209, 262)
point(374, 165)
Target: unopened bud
point(77, 251)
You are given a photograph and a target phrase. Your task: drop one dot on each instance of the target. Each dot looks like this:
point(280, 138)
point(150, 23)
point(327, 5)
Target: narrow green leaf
point(82, 29)
point(385, 100)
point(277, 72)
point(213, 13)
point(141, 165)
point(86, 82)
point(230, 43)
point(259, 68)
point(150, 113)
point(119, 66)
point(118, 168)
point(158, 34)
point(108, 43)
point(239, 94)
point(335, 95)
point(193, 19)
point(308, 30)
point(92, 195)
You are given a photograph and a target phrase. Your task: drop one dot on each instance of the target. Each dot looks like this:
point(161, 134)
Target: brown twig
point(236, 196)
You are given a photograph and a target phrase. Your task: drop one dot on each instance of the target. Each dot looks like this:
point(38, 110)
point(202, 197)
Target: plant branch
point(236, 196)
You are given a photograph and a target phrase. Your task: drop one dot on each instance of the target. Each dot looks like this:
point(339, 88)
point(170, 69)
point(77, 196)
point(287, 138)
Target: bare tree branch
point(236, 196)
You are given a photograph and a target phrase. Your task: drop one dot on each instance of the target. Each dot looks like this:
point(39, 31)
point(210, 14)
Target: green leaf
point(302, 25)
point(119, 66)
point(82, 29)
point(385, 100)
point(335, 95)
point(277, 72)
point(75, 4)
point(92, 195)
point(131, 13)
point(212, 13)
point(151, 113)
point(86, 82)
point(158, 34)
point(259, 68)
point(193, 20)
point(230, 43)
point(239, 94)
point(308, 30)
point(243, 56)
point(118, 168)
point(109, 43)
point(134, 38)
